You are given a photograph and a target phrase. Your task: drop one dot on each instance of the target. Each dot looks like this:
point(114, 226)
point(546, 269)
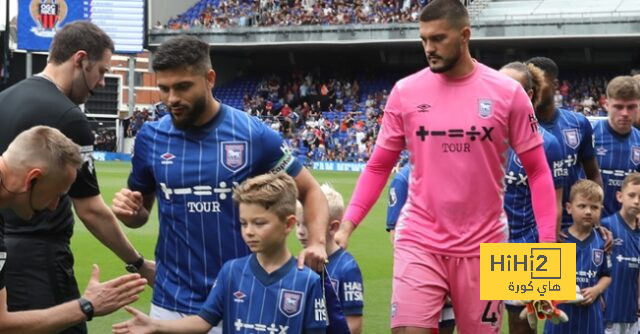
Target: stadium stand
point(221, 14)
point(537, 9)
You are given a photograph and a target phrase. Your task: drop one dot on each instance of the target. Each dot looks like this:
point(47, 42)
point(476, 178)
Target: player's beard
point(546, 103)
point(447, 63)
point(192, 115)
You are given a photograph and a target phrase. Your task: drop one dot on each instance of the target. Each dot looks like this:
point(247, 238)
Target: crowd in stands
point(210, 14)
point(322, 118)
point(329, 117)
point(585, 95)
point(105, 140)
point(134, 123)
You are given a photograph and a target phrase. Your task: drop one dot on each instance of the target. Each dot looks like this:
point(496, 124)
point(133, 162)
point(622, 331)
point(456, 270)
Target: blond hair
point(276, 193)
point(623, 87)
point(43, 147)
point(632, 178)
point(299, 212)
point(335, 201)
point(588, 189)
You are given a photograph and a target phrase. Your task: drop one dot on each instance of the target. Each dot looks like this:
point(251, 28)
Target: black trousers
point(39, 274)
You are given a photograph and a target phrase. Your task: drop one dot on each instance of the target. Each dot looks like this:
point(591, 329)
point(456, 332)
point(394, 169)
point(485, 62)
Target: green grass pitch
point(369, 244)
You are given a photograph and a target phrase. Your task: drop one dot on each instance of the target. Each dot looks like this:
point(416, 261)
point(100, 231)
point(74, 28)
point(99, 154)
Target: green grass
point(369, 244)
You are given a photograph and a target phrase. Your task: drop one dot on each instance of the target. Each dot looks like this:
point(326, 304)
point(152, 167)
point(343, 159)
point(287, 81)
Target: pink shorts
point(422, 280)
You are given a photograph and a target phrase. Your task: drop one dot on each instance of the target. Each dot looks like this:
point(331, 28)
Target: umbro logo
point(423, 107)
point(166, 158)
point(238, 296)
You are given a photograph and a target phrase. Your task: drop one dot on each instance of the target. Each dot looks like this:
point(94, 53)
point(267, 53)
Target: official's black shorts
point(39, 274)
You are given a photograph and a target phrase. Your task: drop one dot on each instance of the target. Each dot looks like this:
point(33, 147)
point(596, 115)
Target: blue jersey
point(591, 264)
point(517, 196)
point(618, 155)
point(621, 296)
point(346, 279)
point(192, 173)
point(398, 192)
point(574, 133)
point(249, 300)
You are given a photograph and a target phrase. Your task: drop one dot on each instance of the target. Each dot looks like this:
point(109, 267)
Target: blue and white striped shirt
point(346, 279)
point(574, 133)
point(621, 297)
point(517, 196)
point(618, 155)
point(249, 300)
point(192, 174)
point(591, 264)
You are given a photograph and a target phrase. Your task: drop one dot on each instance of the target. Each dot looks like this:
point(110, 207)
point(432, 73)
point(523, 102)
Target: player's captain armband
point(285, 161)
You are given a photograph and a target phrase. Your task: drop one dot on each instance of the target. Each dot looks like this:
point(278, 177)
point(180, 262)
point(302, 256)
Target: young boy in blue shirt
point(262, 292)
point(343, 269)
point(621, 298)
point(592, 263)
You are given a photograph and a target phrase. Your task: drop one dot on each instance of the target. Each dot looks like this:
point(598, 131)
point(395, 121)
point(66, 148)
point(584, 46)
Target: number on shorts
point(493, 319)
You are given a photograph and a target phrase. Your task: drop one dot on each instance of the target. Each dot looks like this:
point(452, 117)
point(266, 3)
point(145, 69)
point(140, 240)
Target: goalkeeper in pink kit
point(457, 118)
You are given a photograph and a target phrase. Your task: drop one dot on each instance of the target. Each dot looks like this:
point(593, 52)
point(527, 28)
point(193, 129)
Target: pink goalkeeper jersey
point(458, 132)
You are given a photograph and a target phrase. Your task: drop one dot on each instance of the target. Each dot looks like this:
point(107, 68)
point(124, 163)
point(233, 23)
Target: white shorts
point(621, 328)
point(160, 313)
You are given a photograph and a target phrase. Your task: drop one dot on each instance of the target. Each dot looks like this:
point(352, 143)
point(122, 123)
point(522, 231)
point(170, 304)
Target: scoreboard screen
point(122, 20)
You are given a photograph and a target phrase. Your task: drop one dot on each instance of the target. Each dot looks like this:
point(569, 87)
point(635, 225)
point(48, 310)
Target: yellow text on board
point(511, 271)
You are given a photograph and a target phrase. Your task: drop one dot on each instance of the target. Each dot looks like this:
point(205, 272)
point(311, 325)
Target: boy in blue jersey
point(398, 193)
point(617, 142)
point(343, 269)
point(592, 263)
point(517, 198)
point(260, 293)
point(621, 298)
point(572, 130)
point(188, 162)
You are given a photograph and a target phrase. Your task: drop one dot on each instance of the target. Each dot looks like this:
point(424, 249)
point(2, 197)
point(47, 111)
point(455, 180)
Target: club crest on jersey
point(571, 138)
point(635, 154)
point(485, 108)
point(290, 303)
point(597, 256)
point(234, 154)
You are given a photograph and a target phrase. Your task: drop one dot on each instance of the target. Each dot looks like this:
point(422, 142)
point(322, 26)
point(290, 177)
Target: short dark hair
point(546, 64)
point(181, 52)
point(76, 36)
point(451, 10)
